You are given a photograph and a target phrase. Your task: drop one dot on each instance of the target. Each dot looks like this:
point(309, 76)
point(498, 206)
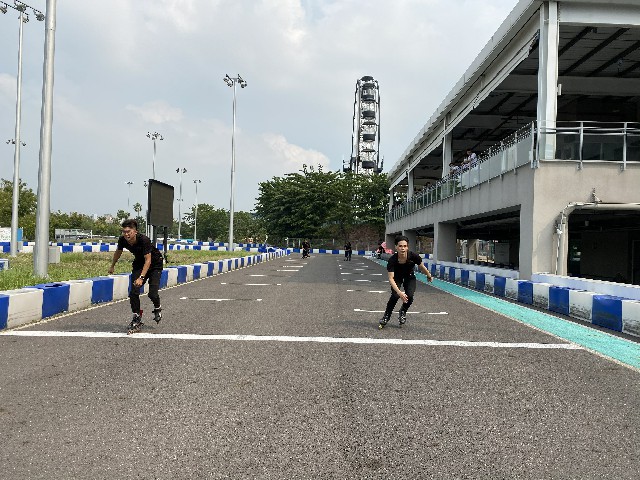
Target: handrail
point(513, 152)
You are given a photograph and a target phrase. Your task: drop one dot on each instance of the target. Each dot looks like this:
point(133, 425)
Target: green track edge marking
point(626, 352)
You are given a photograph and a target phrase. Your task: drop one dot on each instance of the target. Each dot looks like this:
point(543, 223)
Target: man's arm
point(143, 274)
point(116, 257)
point(394, 286)
point(426, 271)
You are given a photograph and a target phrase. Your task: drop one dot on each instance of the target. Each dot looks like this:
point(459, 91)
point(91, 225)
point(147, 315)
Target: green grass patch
point(79, 265)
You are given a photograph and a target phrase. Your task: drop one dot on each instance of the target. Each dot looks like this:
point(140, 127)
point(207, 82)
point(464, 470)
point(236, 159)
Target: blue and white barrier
point(603, 308)
point(30, 304)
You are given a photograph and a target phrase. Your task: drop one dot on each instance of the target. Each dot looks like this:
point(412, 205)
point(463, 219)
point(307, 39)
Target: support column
point(391, 195)
point(390, 239)
point(411, 235)
point(447, 153)
point(410, 186)
point(548, 76)
point(472, 249)
point(444, 242)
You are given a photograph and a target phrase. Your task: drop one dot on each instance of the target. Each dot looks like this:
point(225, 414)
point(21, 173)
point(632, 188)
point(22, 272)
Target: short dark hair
point(129, 223)
point(400, 238)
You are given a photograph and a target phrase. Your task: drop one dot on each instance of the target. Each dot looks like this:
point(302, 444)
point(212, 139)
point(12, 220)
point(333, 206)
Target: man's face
point(402, 247)
point(129, 233)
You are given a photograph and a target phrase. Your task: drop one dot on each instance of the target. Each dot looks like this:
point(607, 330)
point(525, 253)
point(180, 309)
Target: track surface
point(340, 400)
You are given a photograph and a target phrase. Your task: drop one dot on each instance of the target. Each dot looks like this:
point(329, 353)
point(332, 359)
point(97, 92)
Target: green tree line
point(311, 203)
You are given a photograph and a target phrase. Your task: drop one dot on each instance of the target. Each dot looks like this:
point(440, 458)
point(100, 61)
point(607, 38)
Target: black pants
point(347, 254)
point(153, 277)
point(409, 290)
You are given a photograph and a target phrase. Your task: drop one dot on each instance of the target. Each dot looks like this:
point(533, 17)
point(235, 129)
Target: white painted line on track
point(269, 338)
point(287, 270)
point(257, 275)
point(408, 313)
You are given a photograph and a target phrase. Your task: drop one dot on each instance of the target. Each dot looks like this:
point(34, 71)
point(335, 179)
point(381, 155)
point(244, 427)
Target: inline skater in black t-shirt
point(400, 269)
point(146, 265)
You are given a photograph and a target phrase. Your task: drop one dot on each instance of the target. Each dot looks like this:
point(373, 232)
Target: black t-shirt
point(403, 270)
point(140, 249)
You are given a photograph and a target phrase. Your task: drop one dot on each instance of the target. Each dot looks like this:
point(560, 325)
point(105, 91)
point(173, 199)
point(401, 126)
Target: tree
point(314, 204)
point(27, 201)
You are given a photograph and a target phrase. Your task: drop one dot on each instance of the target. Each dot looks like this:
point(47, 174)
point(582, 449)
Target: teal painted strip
point(617, 348)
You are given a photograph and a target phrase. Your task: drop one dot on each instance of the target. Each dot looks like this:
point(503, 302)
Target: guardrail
point(514, 151)
point(564, 141)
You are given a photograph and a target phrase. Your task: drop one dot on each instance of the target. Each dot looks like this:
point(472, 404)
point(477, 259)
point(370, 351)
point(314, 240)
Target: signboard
point(160, 204)
point(5, 234)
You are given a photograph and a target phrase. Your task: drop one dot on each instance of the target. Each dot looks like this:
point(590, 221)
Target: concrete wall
point(541, 194)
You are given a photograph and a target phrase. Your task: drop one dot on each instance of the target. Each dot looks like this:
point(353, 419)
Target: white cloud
point(157, 112)
point(158, 65)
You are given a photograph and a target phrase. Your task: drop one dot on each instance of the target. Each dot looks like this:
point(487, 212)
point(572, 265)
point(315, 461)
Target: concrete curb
point(26, 305)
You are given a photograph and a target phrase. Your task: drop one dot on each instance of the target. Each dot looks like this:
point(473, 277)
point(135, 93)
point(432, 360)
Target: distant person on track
point(306, 248)
point(348, 251)
point(146, 265)
point(400, 268)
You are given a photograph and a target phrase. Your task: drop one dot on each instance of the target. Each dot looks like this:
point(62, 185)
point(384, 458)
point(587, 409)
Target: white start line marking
point(408, 313)
point(268, 338)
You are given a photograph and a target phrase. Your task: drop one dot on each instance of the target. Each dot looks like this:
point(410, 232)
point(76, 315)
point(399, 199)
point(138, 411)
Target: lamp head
point(3, 8)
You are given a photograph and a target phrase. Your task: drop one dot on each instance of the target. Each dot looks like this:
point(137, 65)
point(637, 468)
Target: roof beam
point(603, 45)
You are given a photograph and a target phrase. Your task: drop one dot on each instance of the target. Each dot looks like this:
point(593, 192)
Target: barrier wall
point(29, 304)
point(609, 311)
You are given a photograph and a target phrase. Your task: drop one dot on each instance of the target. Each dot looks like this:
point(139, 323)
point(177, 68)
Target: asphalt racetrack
point(278, 371)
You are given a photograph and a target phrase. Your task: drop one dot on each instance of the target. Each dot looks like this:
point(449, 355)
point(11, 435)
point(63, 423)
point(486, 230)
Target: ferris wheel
point(365, 139)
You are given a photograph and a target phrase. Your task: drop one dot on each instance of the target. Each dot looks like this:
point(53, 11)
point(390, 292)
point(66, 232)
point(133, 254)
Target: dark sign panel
point(160, 204)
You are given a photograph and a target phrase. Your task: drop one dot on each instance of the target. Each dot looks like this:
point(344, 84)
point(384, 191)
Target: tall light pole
point(232, 82)
point(180, 171)
point(146, 226)
point(195, 217)
point(154, 136)
point(43, 209)
point(129, 183)
point(22, 18)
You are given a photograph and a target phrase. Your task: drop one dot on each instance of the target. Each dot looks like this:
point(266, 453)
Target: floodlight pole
point(232, 82)
point(180, 171)
point(22, 19)
point(195, 217)
point(129, 183)
point(43, 210)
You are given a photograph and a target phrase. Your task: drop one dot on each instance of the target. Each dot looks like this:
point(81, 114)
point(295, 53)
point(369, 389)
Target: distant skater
point(146, 265)
point(400, 269)
point(348, 251)
point(306, 248)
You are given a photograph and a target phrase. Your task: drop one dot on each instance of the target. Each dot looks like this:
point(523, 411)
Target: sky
point(124, 68)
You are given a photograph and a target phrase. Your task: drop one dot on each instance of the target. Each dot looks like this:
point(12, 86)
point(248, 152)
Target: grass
point(79, 265)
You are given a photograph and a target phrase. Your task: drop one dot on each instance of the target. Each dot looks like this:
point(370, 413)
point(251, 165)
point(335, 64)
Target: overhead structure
point(365, 140)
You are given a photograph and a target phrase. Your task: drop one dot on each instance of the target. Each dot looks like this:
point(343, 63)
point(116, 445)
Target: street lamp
point(180, 171)
point(154, 136)
point(129, 195)
point(23, 18)
point(195, 217)
point(232, 82)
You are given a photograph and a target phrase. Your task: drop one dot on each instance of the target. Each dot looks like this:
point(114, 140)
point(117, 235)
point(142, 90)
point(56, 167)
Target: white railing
point(512, 152)
point(565, 141)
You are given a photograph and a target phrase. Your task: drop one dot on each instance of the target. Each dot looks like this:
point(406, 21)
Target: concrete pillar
point(447, 153)
point(390, 239)
point(410, 186)
point(391, 196)
point(411, 235)
point(472, 249)
point(444, 242)
point(548, 76)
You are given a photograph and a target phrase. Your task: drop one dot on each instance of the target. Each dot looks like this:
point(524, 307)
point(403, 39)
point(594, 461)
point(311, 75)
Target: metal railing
point(565, 141)
point(590, 141)
point(514, 151)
